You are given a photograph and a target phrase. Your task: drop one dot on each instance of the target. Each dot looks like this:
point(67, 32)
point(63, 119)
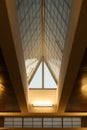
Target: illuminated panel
point(42, 104)
point(69, 122)
point(42, 122)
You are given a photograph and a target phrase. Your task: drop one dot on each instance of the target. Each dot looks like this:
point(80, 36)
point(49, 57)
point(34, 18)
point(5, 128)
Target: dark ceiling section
point(8, 101)
point(78, 98)
point(84, 61)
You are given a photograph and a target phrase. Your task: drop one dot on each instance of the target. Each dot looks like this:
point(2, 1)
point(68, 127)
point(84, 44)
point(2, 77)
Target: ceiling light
point(2, 89)
point(84, 90)
point(42, 104)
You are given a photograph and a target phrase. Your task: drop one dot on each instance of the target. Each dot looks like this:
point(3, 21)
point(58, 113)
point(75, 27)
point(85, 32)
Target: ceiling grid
point(43, 25)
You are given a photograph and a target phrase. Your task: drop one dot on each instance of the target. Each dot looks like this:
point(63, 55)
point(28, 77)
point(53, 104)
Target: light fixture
point(2, 89)
point(42, 104)
point(84, 90)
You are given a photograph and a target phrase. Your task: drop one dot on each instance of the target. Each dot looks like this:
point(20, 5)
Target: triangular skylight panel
point(36, 82)
point(49, 81)
point(30, 66)
point(43, 73)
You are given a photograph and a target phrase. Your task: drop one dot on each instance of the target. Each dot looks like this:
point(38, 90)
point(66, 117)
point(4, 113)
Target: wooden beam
point(75, 45)
point(42, 72)
point(10, 44)
point(35, 71)
point(43, 27)
point(67, 114)
point(43, 128)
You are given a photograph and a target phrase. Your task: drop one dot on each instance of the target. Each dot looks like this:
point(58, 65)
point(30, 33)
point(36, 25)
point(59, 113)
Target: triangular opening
point(43, 73)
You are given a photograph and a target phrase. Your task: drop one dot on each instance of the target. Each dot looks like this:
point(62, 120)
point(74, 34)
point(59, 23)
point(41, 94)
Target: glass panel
point(37, 119)
point(27, 123)
point(17, 119)
point(47, 119)
point(67, 126)
point(76, 119)
point(57, 123)
point(48, 79)
point(49, 122)
point(8, 123)
point(37, 79)
point(67, 123)
point(57, 119)
point(77, 123)
point(17, 122)
point(8, 119)
point(37, 123)
point(27, 119)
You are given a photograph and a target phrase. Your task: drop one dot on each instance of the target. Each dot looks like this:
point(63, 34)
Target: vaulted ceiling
point(71, 96)
point(43, 26)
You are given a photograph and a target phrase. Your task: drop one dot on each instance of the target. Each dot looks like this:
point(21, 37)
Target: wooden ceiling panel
point(78, 98)
point(10, 44)
point(8, 101)
point(76, 43)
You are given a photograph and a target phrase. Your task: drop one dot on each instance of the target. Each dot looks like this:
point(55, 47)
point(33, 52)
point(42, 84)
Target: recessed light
point(84, 90)
point(42, 104)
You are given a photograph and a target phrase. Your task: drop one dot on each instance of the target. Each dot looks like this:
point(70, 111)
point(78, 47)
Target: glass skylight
point(46, 31)
point(49, 81)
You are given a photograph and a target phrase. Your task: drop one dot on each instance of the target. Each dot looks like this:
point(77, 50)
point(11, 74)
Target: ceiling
point(71, 97)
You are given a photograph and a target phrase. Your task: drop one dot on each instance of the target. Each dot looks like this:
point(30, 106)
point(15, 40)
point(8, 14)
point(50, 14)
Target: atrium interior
point(43, 64)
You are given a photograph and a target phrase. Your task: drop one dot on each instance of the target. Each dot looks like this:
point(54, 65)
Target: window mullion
point(43, 74)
